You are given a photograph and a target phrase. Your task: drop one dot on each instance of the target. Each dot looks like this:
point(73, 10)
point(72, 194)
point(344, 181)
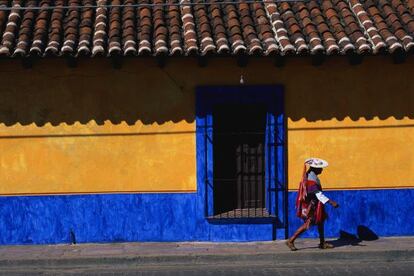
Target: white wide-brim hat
point(316, 163)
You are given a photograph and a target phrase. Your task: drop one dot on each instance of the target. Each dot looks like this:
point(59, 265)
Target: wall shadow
point(375, 88)
point(52, 93)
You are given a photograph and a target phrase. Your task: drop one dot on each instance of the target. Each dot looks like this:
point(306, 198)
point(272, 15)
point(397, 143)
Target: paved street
point(385, 256)
point(344, 268)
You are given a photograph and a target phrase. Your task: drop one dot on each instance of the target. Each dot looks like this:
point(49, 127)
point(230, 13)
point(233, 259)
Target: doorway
point(239, 160)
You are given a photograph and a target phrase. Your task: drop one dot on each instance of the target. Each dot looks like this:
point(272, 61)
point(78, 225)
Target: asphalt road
point(245, 268)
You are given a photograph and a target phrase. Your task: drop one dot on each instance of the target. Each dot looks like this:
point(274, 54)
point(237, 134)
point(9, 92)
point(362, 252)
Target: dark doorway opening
point(239, 161)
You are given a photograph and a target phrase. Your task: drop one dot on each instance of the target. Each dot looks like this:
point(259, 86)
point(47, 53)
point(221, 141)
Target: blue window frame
point(272, 98)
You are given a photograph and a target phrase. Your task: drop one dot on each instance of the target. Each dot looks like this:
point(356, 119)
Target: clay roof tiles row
point(185, 27)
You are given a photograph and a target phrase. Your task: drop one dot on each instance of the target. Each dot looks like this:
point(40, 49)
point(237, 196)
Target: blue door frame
point(275, 157)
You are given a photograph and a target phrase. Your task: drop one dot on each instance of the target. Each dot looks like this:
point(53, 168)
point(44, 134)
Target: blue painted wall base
point(385, 212)
point(115, 218)
point(180, 217)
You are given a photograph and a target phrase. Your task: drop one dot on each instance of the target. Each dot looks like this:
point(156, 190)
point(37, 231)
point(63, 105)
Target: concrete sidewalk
point(384, 249)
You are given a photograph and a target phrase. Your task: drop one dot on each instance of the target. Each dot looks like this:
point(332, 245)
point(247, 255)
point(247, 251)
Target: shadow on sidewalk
point(346, 239)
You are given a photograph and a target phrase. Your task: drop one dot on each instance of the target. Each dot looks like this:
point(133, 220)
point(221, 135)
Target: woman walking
point(310, 202)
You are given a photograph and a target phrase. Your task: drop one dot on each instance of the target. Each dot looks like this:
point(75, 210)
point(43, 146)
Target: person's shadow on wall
point(363, 234)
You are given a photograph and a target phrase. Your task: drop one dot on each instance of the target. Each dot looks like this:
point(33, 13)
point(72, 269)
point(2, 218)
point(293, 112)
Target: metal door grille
point(239, 162)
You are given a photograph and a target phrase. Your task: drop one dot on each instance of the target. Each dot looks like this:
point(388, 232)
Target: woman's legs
point(321, 231)
point(323, 244)
point(301, 229)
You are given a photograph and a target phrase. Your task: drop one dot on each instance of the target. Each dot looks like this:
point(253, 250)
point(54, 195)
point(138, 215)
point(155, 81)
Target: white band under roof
point(396, 45)
point(144, 42)
point(390, 38)
point(175, 49)
point(270, 39)
point(187, 15)
point(114, 44)
point(102, 23)
point(314, 38)
point(364, 46)
point(361, 12)
point(317, 47)
point(160, 41)
point(24, 43)
point(368, 22)
point(299, 39)
point(189, 31)
point(188, 23)
point(288, 47)
point(175, 41)
point(130, 41)
point(220, 40)
point(356, 5)
point(303, 46)
point(206, 39)
point(84, 41)
point(330, 48)
point(102, 32)
point(130, 49)
point(101, 15)
point(256, 47)
point(361, 38)
point(69, 41)
point(375, 37)
point(98, 40)
point(349, 47)
point(11, 23)
point(53, 43)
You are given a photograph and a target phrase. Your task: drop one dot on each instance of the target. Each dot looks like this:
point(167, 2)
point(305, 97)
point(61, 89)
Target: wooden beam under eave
point(116, 61)
point(318, 59)
point(161, 60)
point(399, 56)
point(242, 60)
point(27, 62)
point(279, 61)
point(71, 61)
point(202, 61)
point(355, 58)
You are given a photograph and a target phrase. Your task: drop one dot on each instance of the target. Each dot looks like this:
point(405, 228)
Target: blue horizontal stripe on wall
point(116, 218)
point(180, 217)
point(387, 212)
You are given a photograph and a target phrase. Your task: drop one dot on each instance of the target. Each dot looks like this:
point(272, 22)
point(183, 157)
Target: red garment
point(307, 205)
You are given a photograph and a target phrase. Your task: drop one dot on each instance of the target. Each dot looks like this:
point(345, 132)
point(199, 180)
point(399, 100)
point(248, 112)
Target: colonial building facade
point(166, 121)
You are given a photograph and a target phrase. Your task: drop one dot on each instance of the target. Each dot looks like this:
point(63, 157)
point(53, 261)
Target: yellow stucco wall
point(97, 129)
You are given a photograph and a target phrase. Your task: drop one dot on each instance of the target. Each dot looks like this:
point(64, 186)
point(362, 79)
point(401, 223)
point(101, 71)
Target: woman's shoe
point(291, 245)
point(326, 245)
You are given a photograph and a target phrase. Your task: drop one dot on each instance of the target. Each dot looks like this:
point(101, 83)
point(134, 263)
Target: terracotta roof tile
point(25, 32)
point(85, 28)
point(71, 28)
point(54, 39)
point(128, 29)
point(293, 27)
point(185, 27)
point(174, 24)
point(264, 29)
point(204, 30)
point(11, 30)
point(189, 29)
